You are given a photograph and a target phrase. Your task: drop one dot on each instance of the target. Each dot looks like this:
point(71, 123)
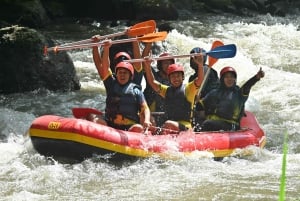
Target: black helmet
point(193, 65)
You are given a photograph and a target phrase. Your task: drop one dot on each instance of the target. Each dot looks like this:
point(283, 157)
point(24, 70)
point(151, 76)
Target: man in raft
point(125, 101)
point(179, 97)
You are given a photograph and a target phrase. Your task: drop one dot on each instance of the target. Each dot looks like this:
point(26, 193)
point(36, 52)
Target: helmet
point(125, 65)
point(121, 56)
point(175, 68)
point(193, 65)
point(159, 62)
point(228, 69)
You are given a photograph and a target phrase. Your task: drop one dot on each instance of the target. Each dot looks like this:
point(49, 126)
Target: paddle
point(82, 112)
point(138, 29)
point(151, 37)
point(162, 131)
point(220, 52)
point(211, 62)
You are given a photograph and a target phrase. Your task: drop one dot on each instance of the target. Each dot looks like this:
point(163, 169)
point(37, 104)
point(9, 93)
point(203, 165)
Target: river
point(272, 43)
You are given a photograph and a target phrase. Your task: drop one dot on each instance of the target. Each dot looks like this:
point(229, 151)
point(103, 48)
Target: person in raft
point(123, 56)
point(125, 101)
point(212, 82)
point(224, 106)
point(179, 97)
point(154, 100)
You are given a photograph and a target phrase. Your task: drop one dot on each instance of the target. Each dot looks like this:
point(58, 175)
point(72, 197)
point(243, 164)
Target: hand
point(198, 59)
point(147, 124)
point(96, 38)
point(148, 61)
point(260, 74)
point(107, 43)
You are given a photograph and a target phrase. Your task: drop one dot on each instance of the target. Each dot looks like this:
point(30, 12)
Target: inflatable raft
point(78, 139)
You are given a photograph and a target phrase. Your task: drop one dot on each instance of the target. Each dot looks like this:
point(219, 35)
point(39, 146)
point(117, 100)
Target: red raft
point(78, 139)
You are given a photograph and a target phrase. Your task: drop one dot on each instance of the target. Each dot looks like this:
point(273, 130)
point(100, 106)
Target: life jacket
point(226, 104)
point(178, 108)
point(211, 83)
point(122, 100)
point(151, 96)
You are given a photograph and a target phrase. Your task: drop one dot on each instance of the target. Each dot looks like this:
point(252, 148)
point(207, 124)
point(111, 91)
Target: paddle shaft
point(135, 30)
point(86, 41)
point(197, 98)
point(83, 112)
point(152, 37)
point(225, 51)
point(211, 62)
point(88, 45)
point(164, 131)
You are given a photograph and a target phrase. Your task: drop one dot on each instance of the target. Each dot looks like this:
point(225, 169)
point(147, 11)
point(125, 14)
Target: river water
point(272, 43)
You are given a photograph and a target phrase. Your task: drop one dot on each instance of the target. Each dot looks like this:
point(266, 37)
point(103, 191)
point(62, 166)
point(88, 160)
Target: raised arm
point(96, 55)
point(102, 63)
point(147, 49)
point(137, 54)
point(252, 81)
point(199, 61)
point(150, 77)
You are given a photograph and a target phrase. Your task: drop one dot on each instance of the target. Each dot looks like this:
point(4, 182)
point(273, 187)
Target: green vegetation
point(283, 169)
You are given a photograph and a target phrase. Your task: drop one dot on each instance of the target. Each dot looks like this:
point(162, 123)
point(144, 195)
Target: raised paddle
point(138, 29)
point(220, 52)
point(211, 62)
point(151, 37)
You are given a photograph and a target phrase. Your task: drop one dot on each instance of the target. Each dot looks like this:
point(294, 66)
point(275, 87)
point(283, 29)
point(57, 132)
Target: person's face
point(165, 64)
point(123, 75)
point(229, 79)
point(176, 79)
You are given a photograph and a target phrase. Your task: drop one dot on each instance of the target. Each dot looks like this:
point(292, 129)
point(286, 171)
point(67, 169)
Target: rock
point(25, 68)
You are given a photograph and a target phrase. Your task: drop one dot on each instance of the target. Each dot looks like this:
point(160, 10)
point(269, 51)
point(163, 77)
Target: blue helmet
point(193, 65)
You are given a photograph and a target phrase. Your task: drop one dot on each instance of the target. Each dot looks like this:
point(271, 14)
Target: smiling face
point(176, 79)
point(229, 79)
point(123, 75)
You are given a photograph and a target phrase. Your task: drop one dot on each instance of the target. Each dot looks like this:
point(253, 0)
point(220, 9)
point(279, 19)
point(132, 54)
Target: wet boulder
point(25, 68)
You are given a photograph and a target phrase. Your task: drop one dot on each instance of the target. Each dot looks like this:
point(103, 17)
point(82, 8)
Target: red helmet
point(165, 54)
point(121, 56)
point(175, 68)
point(159, 62)
point(125, 65)
point(228, 69)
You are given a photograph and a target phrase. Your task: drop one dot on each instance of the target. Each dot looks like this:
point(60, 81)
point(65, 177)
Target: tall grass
point(283, 168)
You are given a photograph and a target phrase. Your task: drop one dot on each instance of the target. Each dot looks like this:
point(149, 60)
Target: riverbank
point(39, 13)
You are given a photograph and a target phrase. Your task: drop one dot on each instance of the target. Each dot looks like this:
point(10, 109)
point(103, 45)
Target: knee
point(138, 128)
point(96, 119)
point(207, 125)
